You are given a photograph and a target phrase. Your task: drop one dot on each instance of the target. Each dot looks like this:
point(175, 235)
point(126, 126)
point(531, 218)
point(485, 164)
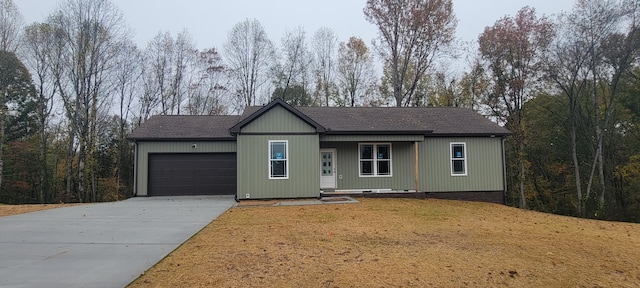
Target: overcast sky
point(209, 21)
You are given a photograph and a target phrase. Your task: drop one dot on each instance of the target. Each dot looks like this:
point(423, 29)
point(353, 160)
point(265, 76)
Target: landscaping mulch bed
point(402, 243)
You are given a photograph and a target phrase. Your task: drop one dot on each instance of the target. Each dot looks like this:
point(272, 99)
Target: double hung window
point(458, 159)
point(375, 160)
point(278, 159)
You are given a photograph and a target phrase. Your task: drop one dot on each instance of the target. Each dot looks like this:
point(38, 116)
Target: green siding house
point(281, 151)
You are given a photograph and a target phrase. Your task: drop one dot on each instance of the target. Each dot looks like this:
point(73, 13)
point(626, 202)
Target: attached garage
point(192, 174)
point(185, 155)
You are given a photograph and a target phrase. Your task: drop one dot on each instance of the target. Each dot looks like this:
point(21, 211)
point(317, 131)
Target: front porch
point(369, 166)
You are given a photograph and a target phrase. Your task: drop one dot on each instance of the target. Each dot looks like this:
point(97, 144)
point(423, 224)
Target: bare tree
point(158, 56)
point(208, 91)
point(566, 65)
point(411, 34)
point(43, 53)
point(324, 44)
point(185, 55)
point(168, 66)
point(599, 45)
point(292, 69)
point(127, 77)
point(612, 51)
point(10, 25)
point(248, 52)
point(90, 32)
point(512, 51)
point(355, 71)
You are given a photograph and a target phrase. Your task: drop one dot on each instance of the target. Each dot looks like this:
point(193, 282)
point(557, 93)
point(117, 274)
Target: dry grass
point(6, 210)
point(402, 243)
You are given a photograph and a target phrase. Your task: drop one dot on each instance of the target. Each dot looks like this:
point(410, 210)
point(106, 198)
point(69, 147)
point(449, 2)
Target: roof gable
point(252, 116)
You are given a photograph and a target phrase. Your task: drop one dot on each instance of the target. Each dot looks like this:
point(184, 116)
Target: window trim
point(464, 159)
point(375, 160)
point(286, 159)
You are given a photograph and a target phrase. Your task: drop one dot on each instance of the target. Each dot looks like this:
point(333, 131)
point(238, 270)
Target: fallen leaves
point(401, 242)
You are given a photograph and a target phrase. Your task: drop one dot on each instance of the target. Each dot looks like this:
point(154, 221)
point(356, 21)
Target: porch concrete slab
point(296, 202)
point(99, 245)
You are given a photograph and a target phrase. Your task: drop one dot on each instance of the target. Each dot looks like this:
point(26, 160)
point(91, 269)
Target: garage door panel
point(192, 174)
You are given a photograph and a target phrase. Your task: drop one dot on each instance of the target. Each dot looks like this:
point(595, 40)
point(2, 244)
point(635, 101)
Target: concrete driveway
point(99, 245)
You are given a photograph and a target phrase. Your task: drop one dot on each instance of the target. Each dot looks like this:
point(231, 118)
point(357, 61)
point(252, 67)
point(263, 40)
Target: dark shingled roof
point(185, 127)
point(411, 120)
point(434, 121)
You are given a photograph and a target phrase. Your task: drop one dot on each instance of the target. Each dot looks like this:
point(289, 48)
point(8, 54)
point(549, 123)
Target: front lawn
point(6, 210)
point(402, 243)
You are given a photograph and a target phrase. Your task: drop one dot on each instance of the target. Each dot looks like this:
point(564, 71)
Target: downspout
point(504, 174)
point(135, 169)
point(417, 176)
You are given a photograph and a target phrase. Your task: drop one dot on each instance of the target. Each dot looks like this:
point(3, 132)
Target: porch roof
point(407, 120)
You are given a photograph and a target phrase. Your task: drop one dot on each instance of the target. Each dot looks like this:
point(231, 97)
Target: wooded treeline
point(75, 85)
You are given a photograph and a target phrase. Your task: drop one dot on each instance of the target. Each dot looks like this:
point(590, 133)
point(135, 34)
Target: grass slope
point(7, 210)
point(402, 242)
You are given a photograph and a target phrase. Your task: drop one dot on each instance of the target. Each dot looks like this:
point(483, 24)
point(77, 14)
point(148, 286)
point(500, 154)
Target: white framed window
point(278, 159)
point(375, 159)
point(458, 158)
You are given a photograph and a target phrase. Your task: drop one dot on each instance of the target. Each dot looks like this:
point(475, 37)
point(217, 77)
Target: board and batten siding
point(143, 149)
point(278, 120)
point(253, 157)
point(484, 165)
point(348, 170)
point(253, 167)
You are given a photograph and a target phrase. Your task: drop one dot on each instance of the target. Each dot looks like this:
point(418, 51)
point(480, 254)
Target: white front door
point(327, 168)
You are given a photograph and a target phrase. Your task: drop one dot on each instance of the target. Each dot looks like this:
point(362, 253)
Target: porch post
point(415, 144)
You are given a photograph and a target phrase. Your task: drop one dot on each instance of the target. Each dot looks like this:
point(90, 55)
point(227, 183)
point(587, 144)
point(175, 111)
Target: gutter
point(504, 173)
point(164, 139)
point(377, 132)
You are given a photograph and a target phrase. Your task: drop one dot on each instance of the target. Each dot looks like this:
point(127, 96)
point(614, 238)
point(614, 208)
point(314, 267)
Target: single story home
point(280, 151)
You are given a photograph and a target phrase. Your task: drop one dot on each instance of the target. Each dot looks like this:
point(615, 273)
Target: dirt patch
point(6, 210)
point(402, 243)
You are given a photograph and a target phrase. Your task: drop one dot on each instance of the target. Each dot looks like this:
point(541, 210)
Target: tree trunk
point(592, 172)
point(81, 166)
point(69, 166)
point(523, 200)
point(3, 120)
point(603, 185)
point(576, 165)
point(43, 163)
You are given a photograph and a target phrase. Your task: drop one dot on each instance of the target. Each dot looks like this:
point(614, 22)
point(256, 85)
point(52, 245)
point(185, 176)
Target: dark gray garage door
point(192, 174)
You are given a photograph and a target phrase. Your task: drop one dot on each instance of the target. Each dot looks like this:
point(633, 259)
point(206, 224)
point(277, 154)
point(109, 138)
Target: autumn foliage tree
point(355, 71)
point(511, 51)
point(412, 33)
point(575, 147)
